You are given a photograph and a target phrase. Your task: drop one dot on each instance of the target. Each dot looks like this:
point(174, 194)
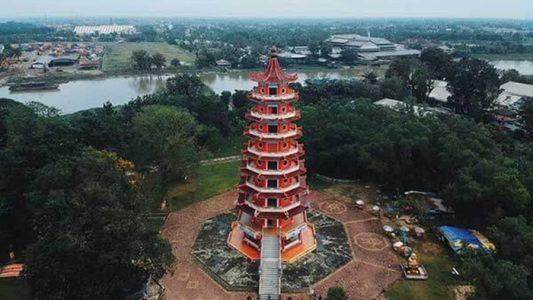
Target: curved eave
point(257, 118)
point(256, 97)
point(272, 215)
point(273, 194)
point(294, 134)
point(250, 172)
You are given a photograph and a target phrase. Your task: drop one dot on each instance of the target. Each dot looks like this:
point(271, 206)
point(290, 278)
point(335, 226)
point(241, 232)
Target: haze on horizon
point(512, 9)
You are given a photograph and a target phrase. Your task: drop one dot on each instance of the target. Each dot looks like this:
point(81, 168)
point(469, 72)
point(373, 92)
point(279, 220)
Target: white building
point(440, 92)
point(105, 29)
point(369, 48)
point(514, 94)
point(419, 111)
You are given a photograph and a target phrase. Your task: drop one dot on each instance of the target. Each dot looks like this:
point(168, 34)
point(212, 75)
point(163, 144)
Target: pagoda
point(271, 220)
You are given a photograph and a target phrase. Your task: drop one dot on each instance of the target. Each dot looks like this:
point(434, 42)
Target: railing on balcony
point(293, 133)
point(291, 151)
point(291, 115)
point(282, 97)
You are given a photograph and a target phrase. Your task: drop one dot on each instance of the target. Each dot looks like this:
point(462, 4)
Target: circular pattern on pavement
point(333, 207)
point(370, 241)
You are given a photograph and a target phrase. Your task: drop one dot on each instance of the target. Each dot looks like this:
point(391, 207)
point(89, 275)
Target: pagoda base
point(308, 244)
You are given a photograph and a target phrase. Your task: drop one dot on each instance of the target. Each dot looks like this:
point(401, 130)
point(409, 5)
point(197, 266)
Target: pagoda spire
point(273, 73)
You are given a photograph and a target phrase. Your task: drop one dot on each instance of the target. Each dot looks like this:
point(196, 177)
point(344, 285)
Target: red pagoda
point(272, 192)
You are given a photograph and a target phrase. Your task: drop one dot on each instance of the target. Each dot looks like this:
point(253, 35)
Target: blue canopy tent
point(460, 239)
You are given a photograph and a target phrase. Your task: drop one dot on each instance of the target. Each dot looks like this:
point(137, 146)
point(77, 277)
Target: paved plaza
point(374, 266)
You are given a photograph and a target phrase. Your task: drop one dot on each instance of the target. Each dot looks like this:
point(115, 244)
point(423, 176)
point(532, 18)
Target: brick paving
point(373, 269)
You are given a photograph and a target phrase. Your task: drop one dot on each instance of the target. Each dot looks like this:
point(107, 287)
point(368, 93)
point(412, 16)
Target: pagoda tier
point(273, 188)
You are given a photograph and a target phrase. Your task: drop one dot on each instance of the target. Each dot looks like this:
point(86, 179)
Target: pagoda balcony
point(292, 190)
point(254, 116)
point(255, 96)
point(296, 170)
point(277, 209)
point(293, 151)
point(295, 133)
point(260, 212)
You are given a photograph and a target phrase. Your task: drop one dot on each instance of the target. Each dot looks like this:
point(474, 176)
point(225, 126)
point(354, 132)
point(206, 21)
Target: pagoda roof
point(273, 72)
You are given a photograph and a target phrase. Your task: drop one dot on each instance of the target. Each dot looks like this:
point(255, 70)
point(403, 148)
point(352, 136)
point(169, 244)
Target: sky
point(514, 9)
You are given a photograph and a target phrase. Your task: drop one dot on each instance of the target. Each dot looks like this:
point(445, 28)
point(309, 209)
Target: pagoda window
point(283, 109)
point(272, 202)
point(272, 165)
point(273, 90)
point(272, 183)
point(272, 129)
point(274, 109)
point(270, 223)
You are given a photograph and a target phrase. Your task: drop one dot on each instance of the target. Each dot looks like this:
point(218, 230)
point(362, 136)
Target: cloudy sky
point(517, 9)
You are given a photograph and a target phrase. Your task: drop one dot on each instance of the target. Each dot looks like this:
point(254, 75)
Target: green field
point(437, 287)
point(117, 55)
point(209, 181)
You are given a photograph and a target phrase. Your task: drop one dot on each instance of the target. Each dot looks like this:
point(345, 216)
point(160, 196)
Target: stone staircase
point(270, 268)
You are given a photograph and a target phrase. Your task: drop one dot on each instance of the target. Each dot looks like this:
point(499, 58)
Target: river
point(84, 94)
point(524, 67)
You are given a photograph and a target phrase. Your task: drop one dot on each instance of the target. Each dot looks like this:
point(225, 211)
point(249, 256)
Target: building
point(514, 94)
point(223, 63)
point(420, 111)
point(104, 29)
point(369, 48)
point(361, 43)
point(2, 48)
point(440, 91)
point(272, 223)
point(62, 62)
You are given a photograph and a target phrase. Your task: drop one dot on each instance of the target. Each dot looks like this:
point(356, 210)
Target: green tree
point(510, 75)
point(175, 62)
point(336, 293)
point(394, 88)
point(371, 77)
point(496, 279)
point(314, 48)
point(349, 55)
point(513, 237)
point(474, 86)
point(141, 60)
point(159, 60)
point(526, 116)
point(325, 49)
point(92, 230)
point(439, 62)
point(165, 140)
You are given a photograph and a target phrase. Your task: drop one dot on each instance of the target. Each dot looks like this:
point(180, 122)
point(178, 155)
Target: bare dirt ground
point(373, 269)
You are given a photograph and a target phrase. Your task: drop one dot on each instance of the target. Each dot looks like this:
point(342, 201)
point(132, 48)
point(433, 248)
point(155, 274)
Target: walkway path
point(373, 269)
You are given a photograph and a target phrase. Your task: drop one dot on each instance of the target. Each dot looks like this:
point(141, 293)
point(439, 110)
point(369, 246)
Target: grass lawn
point(117, 55)
point(11, 289)
point(439, 265)
point(510, 56)
point(209, 181)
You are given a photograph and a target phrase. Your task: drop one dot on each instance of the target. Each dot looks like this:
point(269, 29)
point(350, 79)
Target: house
point(514, 94)
point(223, 63)
point(440, 91)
